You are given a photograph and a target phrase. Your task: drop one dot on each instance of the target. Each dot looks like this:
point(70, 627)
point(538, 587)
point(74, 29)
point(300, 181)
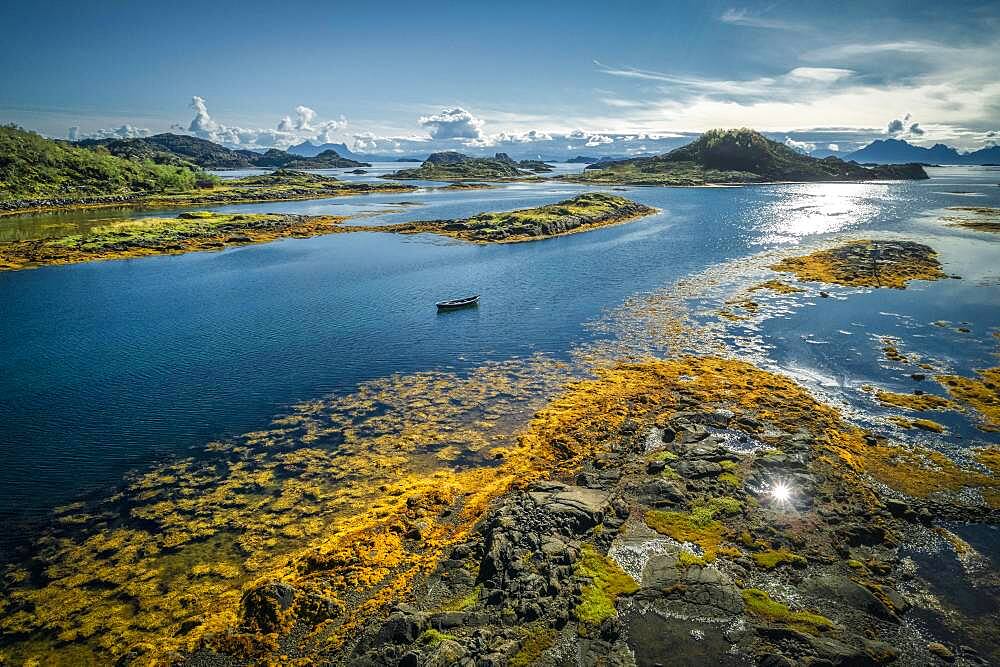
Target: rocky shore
point(579, 214)
point(188, 232)
point(282, 185)
point(688, 510)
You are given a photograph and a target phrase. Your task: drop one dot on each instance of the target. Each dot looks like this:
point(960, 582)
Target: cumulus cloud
point(124, 132)
point(598, 140)
point(801, 146)
point(456, 123)
point(833, 147)
point(290, 130)
point(903, 127)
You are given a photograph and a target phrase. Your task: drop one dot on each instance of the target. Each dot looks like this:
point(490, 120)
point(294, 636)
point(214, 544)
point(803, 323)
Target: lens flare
point(781, 492)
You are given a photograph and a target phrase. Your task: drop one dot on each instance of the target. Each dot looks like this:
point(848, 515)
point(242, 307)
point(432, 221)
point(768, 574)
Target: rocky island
point(204, 230)
point(733, 157)
point(579, 214)
point(190, 231)
point(453, 166)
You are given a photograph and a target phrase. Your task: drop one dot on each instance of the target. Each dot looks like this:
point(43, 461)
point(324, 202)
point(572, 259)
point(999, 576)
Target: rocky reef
point(867, 263)
point(976, 218)
point(579, 214)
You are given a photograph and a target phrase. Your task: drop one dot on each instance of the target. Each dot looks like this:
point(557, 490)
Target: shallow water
point(107, 367)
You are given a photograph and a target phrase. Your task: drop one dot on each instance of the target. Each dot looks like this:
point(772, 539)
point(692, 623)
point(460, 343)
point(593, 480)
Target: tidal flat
point(680, 480)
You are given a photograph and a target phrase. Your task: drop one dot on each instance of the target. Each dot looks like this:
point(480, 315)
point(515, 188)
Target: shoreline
point(197, 231)
point(623, 489)
point(141, 202)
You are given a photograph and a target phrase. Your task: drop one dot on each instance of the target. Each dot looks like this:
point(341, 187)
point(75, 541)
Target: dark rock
point(264, 608)
point(402, 628)
point(698, 468)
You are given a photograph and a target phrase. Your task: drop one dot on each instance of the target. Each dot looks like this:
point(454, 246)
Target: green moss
point(772, 558)
point(730, 479)
point(686, 558)
point(729, 466)
point(662, 455)
point(761, 604)
point(608, 581)
point(464, 602)
point(535, 643)
point(432, 637)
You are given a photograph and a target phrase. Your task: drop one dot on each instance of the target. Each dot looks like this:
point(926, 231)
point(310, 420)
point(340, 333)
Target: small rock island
point(453, 166)
point(579, 214)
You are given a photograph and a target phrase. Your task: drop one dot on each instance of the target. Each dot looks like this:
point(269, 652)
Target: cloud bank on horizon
point(812, 76)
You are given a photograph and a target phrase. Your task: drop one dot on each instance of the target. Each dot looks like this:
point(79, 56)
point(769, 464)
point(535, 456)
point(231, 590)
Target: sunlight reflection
point(820, 208)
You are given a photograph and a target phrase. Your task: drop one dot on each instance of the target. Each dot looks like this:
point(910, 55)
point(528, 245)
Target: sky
point(595, 78)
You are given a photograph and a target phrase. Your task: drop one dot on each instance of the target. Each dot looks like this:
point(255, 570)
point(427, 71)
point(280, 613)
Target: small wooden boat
point(458, 303)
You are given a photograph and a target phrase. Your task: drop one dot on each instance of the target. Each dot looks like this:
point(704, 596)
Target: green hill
point(33, 167)
point(168, 148)
point(738, 156)
point(452, 166)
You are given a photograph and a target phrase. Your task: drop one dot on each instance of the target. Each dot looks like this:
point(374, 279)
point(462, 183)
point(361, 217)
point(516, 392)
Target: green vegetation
point(452, 166)
point(608, 581)
point(699, 526)
point(432, 637)
point(772, 558)
point(533, 646)
point(736, 156)
point(33, 167)
point(181, 148)
point(195, 230)
point(464, 602)
point(761, 604)
point(582, 212)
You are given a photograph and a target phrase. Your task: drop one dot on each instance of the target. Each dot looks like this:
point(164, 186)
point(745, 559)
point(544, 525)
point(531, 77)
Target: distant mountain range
point(170, 148)
point(897, 151)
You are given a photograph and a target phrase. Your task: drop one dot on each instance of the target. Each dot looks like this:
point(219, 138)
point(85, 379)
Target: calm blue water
point(105, 367)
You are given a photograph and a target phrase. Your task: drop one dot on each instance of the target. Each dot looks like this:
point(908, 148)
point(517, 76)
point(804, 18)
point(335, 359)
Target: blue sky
point(417, 76)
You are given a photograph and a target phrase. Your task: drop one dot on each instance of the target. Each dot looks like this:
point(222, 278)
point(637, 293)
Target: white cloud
point(744, 17)
point(820, 73)
point(903, 127)
point(598, 139)
point(124, 132)
point(801, 146)
point(304, 127)
point(456, 123)
point(833, 147)
point(793, 84)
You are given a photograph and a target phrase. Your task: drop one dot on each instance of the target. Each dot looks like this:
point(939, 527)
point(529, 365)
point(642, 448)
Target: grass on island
point(195, 230)
point(581, 213)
